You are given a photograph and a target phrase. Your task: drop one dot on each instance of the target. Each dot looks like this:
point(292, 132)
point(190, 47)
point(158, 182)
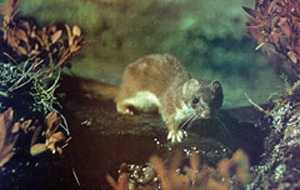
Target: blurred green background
point(209, 37)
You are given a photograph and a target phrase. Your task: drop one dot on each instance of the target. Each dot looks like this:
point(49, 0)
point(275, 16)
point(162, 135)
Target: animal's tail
point(92, 87)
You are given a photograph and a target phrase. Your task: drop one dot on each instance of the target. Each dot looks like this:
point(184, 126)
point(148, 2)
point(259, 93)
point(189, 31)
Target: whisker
point(188, 120)
point(197, 116)
point(228, 134)
point(191, 117)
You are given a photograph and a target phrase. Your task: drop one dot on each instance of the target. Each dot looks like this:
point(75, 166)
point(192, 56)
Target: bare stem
point(259, 108)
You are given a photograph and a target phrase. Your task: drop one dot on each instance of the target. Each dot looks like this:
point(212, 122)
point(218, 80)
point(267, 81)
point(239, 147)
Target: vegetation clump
point(229, 173)
point(32, 59)
point(275, 25)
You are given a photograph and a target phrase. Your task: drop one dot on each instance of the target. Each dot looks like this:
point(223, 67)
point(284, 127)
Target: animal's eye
point(195, 100)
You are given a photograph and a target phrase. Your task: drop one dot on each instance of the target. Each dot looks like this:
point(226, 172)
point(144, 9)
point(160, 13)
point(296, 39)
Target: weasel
point(159, 82)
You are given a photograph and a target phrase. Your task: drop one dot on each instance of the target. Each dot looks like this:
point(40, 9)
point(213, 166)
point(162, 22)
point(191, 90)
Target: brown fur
point(154, 73)
point(164, 76)
point(169, 84)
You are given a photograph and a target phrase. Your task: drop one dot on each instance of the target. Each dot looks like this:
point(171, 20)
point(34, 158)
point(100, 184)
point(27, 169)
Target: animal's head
point(203, 98)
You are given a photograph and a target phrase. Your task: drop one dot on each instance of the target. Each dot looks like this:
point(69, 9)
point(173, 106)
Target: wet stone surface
point(103, 139)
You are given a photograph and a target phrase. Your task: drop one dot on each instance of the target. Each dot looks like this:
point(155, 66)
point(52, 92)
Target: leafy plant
point(10, 131)
point(52, 44)
point(34, 57)
point(8, 136)
point(277, 23)
point(54, 140)
point(31, 64)
point(192, 176)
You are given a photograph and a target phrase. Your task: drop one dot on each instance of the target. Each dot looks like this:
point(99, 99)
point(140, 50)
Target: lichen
point(279, 172)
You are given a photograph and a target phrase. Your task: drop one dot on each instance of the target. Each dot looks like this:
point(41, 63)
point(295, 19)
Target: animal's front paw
point(176, 136)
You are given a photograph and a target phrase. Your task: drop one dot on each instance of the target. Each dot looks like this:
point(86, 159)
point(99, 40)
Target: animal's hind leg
point(124, 108)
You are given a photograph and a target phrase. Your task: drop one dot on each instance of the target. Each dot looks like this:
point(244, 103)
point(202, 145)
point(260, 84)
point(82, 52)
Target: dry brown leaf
point(241, 160)
point(112, 182)
point(194, 161)
point(8, 136)
point(215, 185)
point(47, 43)
point(25, 125)
point(5, 121)
point(52, 122)
point(22, 35)
point(162, 172)
point(224, 167)
point(292, 56)
point(37, 149)
point(21, 50)
point(123, 181)
point(277, 23)
point(121, 184)
point(76, 31)
point(56, 36)
point(57, 137)
point(9, 8)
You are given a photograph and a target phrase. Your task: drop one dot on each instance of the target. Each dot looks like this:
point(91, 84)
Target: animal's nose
point(205, 114)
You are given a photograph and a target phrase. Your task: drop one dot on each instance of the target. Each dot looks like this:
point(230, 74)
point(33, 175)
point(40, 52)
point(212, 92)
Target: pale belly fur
point(146, 101)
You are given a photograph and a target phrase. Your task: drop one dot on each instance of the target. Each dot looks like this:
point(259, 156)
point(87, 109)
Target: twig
point(260, 46)
point(55, 83)
point(256, 105)
point(64, 124)
point(272, 95)
point(66, 143)
point(4, 94)
point(10, 58)
point(75, 177)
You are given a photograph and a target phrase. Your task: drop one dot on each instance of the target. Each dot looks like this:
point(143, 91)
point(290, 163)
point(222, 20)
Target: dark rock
point(104, 139)
point(280, 165)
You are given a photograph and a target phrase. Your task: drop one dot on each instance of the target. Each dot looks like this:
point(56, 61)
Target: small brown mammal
point(160, 82)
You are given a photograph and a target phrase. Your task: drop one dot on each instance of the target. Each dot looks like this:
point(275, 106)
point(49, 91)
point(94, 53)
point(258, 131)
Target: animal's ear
point(190, 87)
point(218, 92)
